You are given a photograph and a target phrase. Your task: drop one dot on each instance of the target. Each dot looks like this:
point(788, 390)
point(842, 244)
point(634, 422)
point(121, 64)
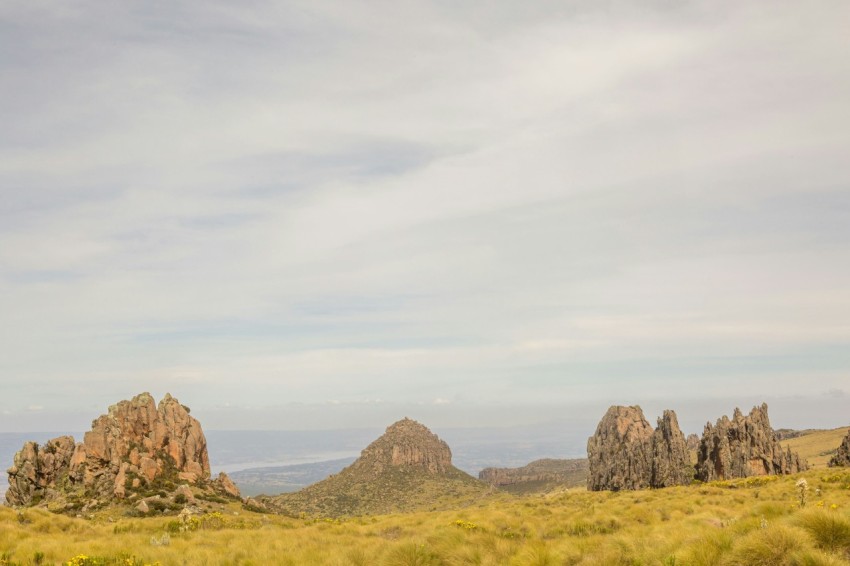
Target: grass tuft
point(830, 530)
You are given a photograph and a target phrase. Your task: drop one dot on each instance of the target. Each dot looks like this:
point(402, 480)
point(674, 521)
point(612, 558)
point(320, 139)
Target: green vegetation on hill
point(818, 446)
point(750, 521)
point(393, 490)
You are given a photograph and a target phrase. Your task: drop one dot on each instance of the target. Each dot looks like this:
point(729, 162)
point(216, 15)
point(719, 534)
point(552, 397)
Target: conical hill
point(408, 468)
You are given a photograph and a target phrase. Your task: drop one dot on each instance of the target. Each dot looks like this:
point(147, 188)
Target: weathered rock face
point(626, 453)
point(693, 442)
point(407, 444)
point(671, 463)
point(134, 445)
point(842, 456)
point(743, 446)
point(545, 470)
point(619, 453)
point(35, 469)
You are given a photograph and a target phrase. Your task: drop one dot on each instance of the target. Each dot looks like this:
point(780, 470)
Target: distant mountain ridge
point(539, 475)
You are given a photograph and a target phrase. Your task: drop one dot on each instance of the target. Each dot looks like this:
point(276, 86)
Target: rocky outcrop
point(626, 453)
point(743, 446)
point(35, 469)
point(619, 453)
point(546, 471)
point(137, 445)
point(693, 442)
point(842, 455)
point(407, 444)
point(671, 463)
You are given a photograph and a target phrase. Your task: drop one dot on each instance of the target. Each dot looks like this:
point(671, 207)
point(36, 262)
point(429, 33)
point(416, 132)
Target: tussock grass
point(830, 530)
point(770, 546)
point(700, 525)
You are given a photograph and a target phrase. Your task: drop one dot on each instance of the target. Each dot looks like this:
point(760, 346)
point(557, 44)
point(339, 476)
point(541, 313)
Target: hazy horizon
point(300, 215)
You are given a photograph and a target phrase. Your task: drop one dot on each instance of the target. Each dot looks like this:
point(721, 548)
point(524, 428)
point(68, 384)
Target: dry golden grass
point(817, 448)
point(738, 522)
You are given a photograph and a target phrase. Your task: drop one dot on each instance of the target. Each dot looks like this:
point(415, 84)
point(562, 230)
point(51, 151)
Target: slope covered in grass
point(393, 490)
point(750, 521)
point(817, 447)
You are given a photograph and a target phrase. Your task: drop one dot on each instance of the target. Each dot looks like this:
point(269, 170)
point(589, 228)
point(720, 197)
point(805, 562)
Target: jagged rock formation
point(842, 456)
point(135, 446)
point(407, 468)
point(539, 475)
point(671, 463)
point(619, 453)
point(626, 453)
point(743, 446)
point(35, 470)
point(693, 442)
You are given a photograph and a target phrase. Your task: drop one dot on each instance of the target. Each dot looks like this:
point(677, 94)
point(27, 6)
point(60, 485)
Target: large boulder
point(137, 444)
point(744, 446)
point(842, 455)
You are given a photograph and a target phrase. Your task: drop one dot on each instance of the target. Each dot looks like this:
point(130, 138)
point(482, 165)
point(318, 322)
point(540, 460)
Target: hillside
point(408, 468)
point(740, 523)
point(818, 446)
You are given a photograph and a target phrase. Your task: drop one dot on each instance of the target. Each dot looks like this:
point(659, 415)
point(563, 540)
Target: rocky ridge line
point(546, 470)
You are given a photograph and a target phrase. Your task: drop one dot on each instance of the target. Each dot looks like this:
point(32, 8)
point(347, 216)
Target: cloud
point(320, 202)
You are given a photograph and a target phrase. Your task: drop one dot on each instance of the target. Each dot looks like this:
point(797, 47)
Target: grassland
point(393, 490)
point(758, 521)
point(817, 447)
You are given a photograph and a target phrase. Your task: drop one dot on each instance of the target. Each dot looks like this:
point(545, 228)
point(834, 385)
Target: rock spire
point(671, 462)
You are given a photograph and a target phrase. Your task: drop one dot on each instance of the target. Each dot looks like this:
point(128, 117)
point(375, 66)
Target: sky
point(296, 215)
